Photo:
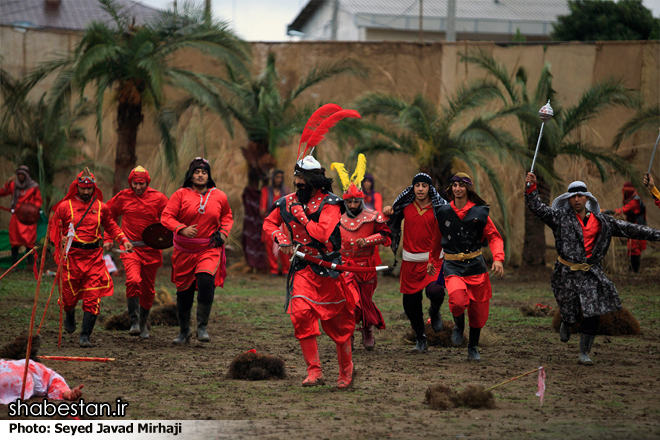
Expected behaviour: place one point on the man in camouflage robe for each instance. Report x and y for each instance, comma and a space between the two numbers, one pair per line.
582, 237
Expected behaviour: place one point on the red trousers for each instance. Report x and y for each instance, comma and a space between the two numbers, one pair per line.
473, 297
272, 259
306, 324
140, 280
85, 278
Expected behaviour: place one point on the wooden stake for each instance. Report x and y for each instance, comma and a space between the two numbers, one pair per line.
511, 380
57, 275
34, 309
19, 261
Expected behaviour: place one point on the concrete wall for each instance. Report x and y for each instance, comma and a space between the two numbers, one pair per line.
402, 68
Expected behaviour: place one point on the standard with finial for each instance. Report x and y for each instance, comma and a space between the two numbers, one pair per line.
546, 113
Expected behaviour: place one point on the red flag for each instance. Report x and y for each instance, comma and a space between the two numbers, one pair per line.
541, 383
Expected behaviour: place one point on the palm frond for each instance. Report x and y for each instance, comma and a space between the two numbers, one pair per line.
470, 97
647, 118
323, 72
496, 69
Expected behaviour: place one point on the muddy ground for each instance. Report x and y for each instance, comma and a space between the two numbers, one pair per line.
617, 398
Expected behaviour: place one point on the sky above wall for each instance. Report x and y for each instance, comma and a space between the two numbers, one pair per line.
266, 20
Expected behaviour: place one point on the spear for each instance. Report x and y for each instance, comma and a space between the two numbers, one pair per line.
34, 309
545, 114
77, 358
19, 261
511, 380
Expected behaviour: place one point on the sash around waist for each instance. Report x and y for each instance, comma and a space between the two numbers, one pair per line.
421, 257
191, 245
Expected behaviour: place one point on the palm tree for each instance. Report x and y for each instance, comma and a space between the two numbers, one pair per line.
561, 136
136, 63
25, 139
269, 116
431, 135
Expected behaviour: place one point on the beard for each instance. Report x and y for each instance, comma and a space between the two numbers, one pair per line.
304, 193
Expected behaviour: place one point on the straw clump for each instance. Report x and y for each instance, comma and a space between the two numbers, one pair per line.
17, 348
441, 397
164, 315
537, 311
619, 323
255, 366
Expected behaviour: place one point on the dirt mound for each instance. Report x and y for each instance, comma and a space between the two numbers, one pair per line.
254, 366
537, 311
18, 347
619, 323
442, 397
164, 315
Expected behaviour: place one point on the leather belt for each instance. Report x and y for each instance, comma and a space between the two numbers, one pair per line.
461, 256
575, 266
86, 246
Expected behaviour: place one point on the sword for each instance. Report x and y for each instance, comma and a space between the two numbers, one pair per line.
653, 154
134, 243
339, 267
545, 114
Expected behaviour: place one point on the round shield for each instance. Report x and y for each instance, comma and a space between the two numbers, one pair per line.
158, 236
27, 213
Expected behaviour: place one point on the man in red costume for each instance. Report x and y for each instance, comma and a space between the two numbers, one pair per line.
312, 215
648, 182
416, 206
23, 189
139, 206
362, 229
78, 219
634, 211
269, 195
199, 215
464, 228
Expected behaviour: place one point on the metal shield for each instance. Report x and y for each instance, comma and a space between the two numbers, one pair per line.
158, 236
27, 213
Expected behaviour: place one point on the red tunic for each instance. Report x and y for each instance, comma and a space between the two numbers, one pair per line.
589, 232
20, 234
41, 381
631, 210
325, 296
84, 273
182, 211
496, 245
420, 226
137, 213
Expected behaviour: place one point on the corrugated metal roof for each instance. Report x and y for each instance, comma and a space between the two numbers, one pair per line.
509, 10
69, 14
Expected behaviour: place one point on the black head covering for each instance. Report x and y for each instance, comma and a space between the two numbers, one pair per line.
198, 163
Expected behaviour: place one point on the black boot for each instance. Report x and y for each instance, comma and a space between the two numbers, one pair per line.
30, 259
635, 263
134, 315
459, 328
89, 319
203, 313
564, 332
586, 342
184, 324
144, 316
473, 353
436, 318
14, 255
421, 345
70, 321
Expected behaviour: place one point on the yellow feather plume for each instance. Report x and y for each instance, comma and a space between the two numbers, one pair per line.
343, 174
360, 170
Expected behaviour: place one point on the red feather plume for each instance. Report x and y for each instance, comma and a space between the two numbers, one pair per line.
315, 120
327, 124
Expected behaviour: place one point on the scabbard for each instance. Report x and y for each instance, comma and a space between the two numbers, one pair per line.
339, 267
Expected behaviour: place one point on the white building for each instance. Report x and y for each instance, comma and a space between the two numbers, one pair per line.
379, 20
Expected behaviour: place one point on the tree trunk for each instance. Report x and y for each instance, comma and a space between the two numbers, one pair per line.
534, 245
129, 118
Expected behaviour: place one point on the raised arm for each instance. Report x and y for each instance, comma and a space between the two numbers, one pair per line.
621, 228
539, 209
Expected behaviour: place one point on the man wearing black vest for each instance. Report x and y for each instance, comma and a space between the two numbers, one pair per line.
464, 228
